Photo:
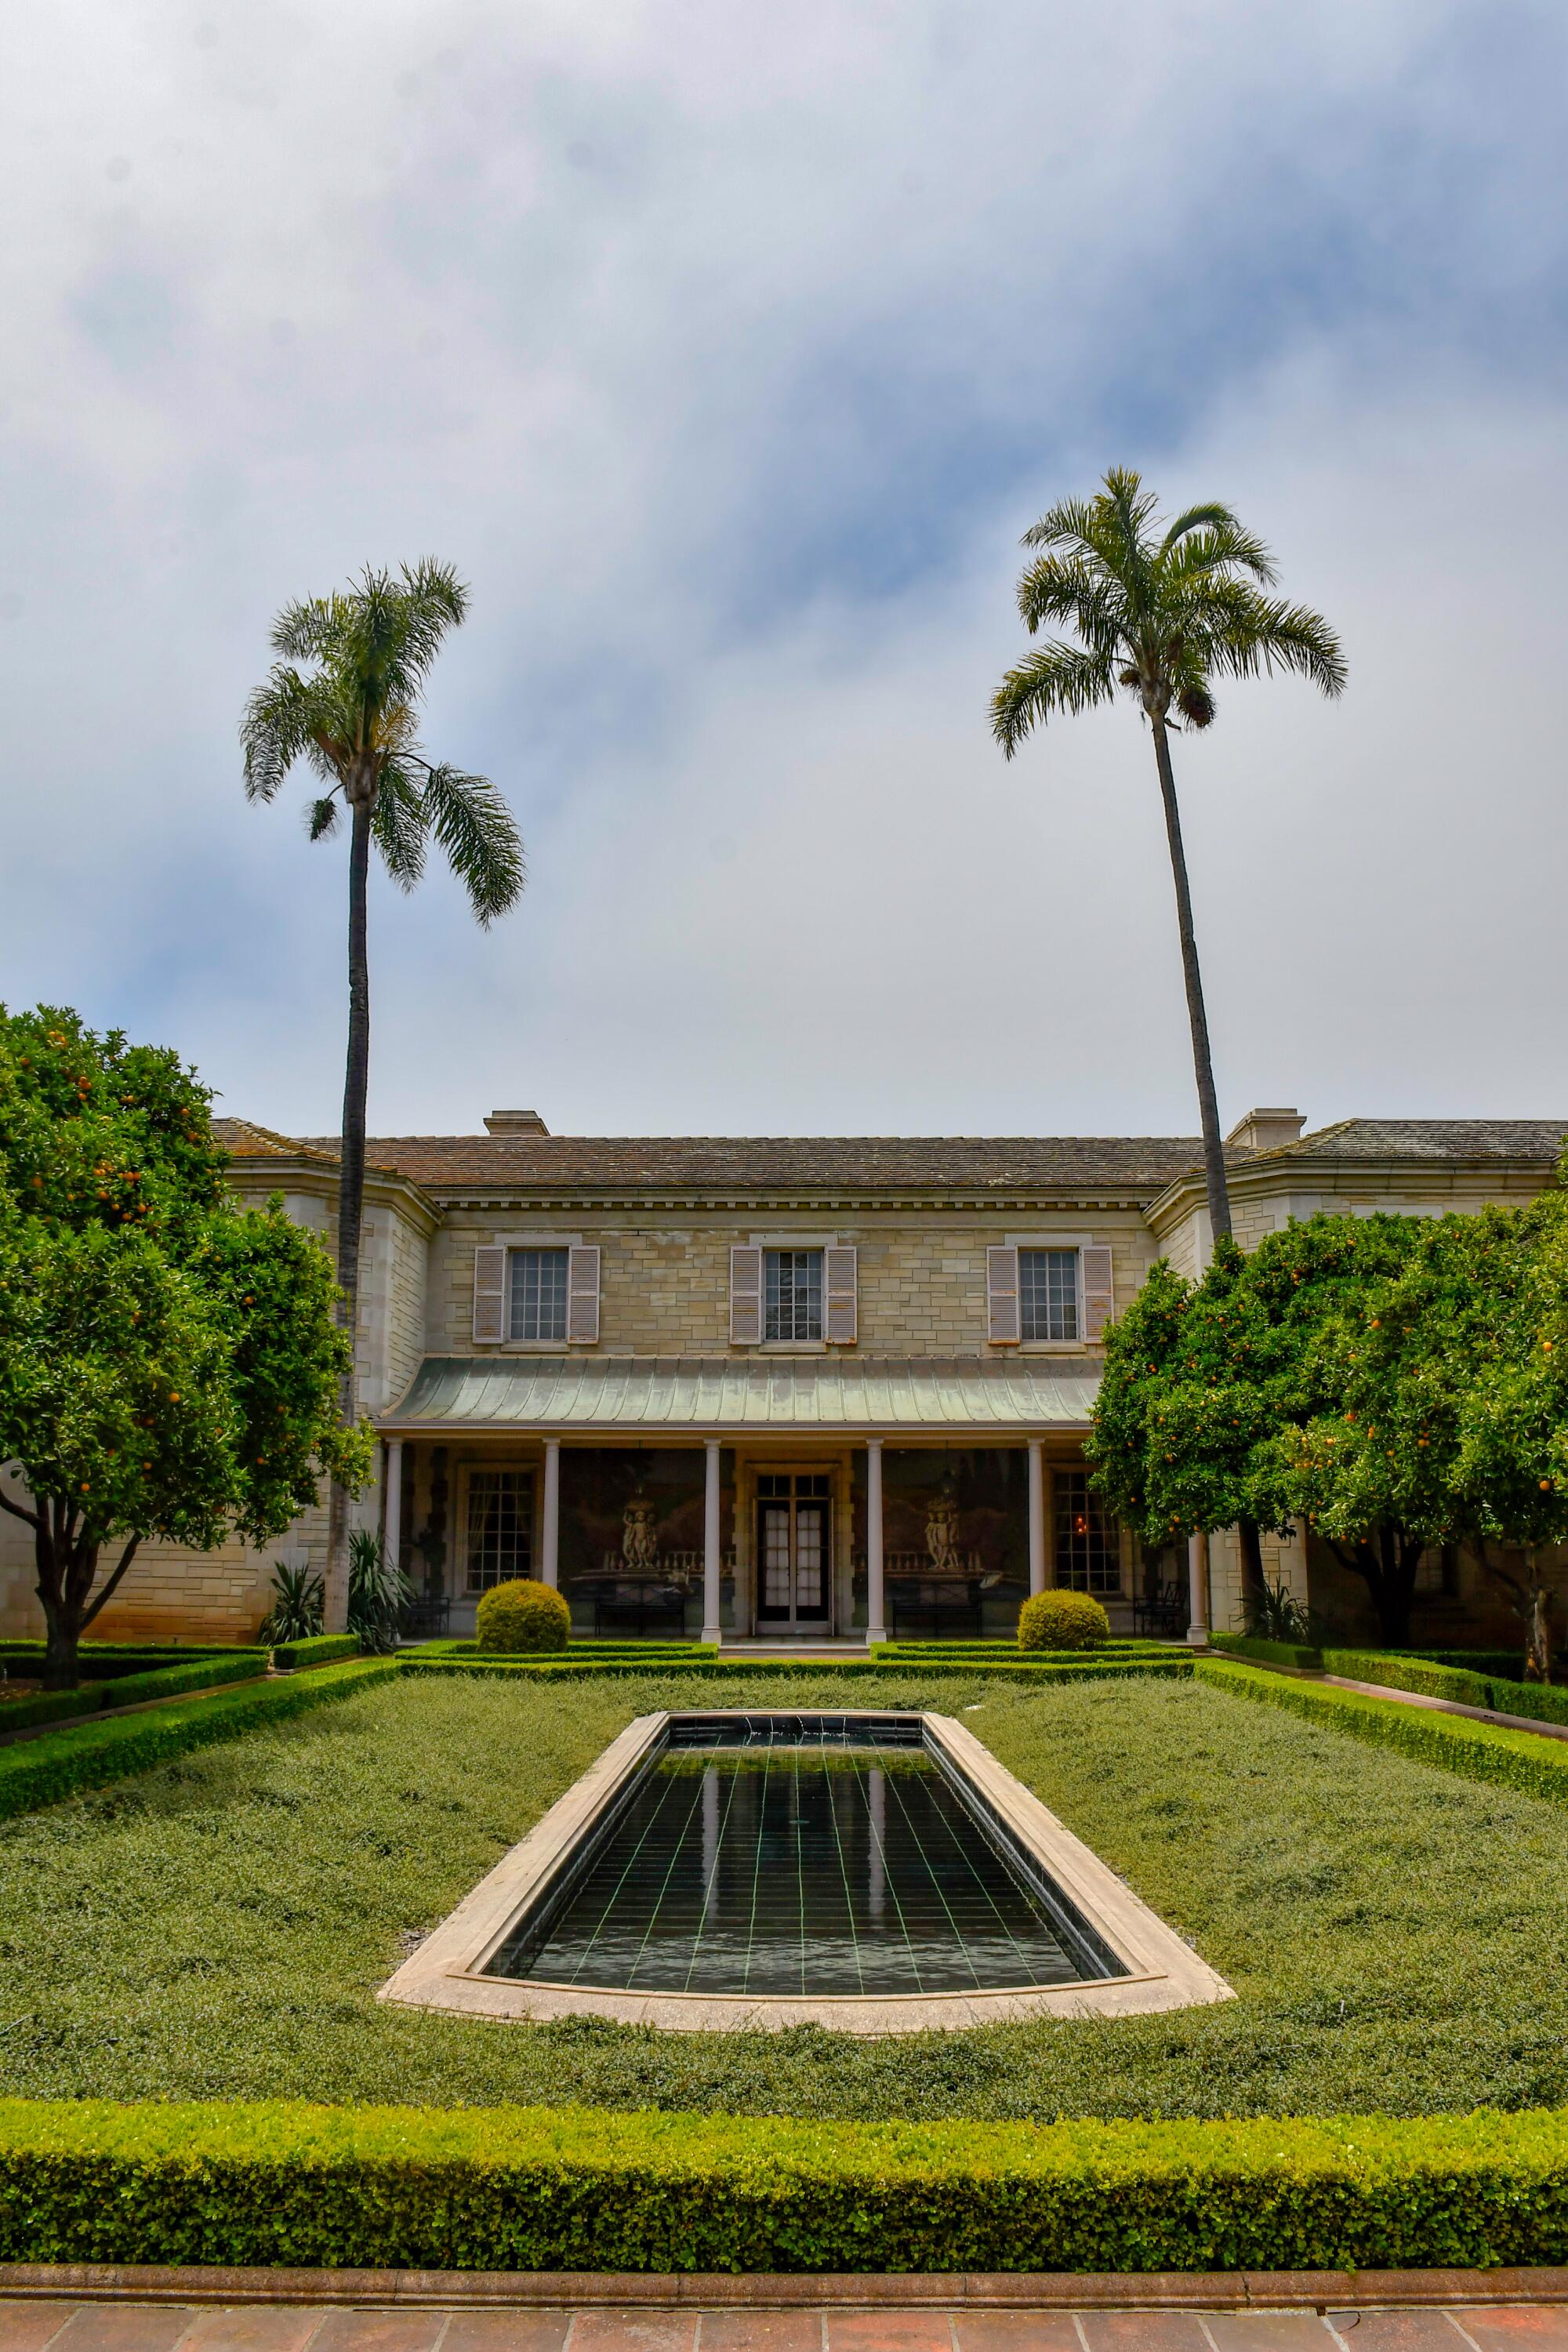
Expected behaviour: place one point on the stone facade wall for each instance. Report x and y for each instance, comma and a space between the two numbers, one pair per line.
664, 1286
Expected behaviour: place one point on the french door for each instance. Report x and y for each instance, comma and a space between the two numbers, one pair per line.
794, 1566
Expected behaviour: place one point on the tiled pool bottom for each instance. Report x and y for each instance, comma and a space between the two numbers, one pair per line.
818, 1860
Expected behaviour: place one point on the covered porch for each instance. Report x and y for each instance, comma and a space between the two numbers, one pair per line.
806, 1500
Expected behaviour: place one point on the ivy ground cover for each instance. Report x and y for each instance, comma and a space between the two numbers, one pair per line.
217, 1927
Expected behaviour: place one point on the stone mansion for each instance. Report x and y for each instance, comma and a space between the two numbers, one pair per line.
805, 1389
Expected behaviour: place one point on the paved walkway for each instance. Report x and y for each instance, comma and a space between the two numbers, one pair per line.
137, 2326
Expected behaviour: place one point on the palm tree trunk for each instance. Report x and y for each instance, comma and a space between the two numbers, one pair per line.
1208, 1105
351, 1199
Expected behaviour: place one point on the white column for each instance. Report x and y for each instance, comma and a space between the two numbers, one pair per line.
1036, 1516
392, 1491
876, 1607
712, 1560
550, 1516
1198, 1590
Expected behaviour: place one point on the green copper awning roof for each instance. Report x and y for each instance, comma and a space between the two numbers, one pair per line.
718, 1394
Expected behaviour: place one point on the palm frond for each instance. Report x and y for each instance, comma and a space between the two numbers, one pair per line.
469, 818
1218, 547
1066, 591
275, 731
1056, 679
321, 818
1264, 634
398, 826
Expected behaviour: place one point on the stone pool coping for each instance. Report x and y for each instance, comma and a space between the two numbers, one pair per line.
447, 1971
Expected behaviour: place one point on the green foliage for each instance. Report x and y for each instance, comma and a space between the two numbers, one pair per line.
169, 1364
1062, 1620
298, 1596
192, 1673
1454, 1743
95, 1754
1058, 1667
1274, 1613
318, 1650
378, 1593
1266, 1653
351, 715
286, 2184
1501, 1694
1159, 614
522, 1615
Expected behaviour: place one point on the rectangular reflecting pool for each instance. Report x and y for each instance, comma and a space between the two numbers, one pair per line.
786, 1855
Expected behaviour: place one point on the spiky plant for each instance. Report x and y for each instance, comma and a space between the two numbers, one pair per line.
378, 1592
1160, 614
350, 713
296, 1610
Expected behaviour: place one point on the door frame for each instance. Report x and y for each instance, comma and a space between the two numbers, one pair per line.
757, 1468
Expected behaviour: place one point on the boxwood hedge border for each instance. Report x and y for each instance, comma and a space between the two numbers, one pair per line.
285, 2184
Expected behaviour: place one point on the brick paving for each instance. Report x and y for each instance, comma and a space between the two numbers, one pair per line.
47, 2325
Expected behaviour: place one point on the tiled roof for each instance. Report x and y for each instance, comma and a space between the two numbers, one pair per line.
716, 1393
762, 1163
242, 1140
1538, 1139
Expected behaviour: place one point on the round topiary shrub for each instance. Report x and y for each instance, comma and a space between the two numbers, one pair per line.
522, 1616
1062, 1621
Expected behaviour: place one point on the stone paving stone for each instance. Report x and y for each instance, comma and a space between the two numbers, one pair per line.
632, 2331
1015, 2331
758, 2331
506, 2331
379, 2331
889, 2331
1397, 2331
1143, 2331
1508, 2327
254, 2327
27, 2327
1269, 2331
123, 2327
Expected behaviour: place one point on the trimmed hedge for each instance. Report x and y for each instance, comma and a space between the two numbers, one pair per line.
131, 1690
1268, 1653
705, 1667
1546, 1703
285, 2184
1454, 1743
315, 1649
93, 1755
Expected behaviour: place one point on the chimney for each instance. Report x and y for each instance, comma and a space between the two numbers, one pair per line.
515, 1122
1267, 1130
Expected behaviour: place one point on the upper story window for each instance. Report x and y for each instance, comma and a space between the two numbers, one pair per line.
792, 1293
1047, 1294
537, 1279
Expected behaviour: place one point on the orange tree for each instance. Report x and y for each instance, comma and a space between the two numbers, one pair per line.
170, 1364
1207, 1387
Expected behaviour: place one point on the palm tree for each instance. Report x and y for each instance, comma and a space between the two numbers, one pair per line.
1163, 615
353, 717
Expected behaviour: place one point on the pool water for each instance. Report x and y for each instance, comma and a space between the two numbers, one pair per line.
793, 1865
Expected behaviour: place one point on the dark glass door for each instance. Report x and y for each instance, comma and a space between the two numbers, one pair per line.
794, 1566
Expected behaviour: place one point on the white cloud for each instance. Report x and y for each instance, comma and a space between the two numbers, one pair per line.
727, 349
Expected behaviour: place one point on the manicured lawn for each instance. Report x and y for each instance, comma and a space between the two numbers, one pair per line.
218, 1929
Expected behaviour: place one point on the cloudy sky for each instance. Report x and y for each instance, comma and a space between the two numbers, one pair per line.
727, 349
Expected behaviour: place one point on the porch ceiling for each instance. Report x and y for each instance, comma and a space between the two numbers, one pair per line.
712, 1394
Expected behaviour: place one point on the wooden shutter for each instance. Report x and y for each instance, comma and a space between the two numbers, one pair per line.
1002, 1294
745, 1297
582, 1295
489, 1295
838, 1270
1099, 1299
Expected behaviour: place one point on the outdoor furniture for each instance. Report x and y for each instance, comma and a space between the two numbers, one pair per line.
639, 1608
1163, 1610
942, 1603
423, 1616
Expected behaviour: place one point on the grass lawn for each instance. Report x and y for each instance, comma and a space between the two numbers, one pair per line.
218, 1929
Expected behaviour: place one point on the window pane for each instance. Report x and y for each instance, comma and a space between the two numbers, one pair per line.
1088, 1554
1047, 1294
793, 1295
538, 1294
501, 1526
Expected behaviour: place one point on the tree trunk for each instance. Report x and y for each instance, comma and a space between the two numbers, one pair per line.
1208, 1105
350, 1197
1386, 1561
1538, 1624
1253, 1579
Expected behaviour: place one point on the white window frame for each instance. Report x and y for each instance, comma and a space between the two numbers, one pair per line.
528, 1469
1077, 1243
563, 1250
540, 1240
775, 1240
790, 1342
